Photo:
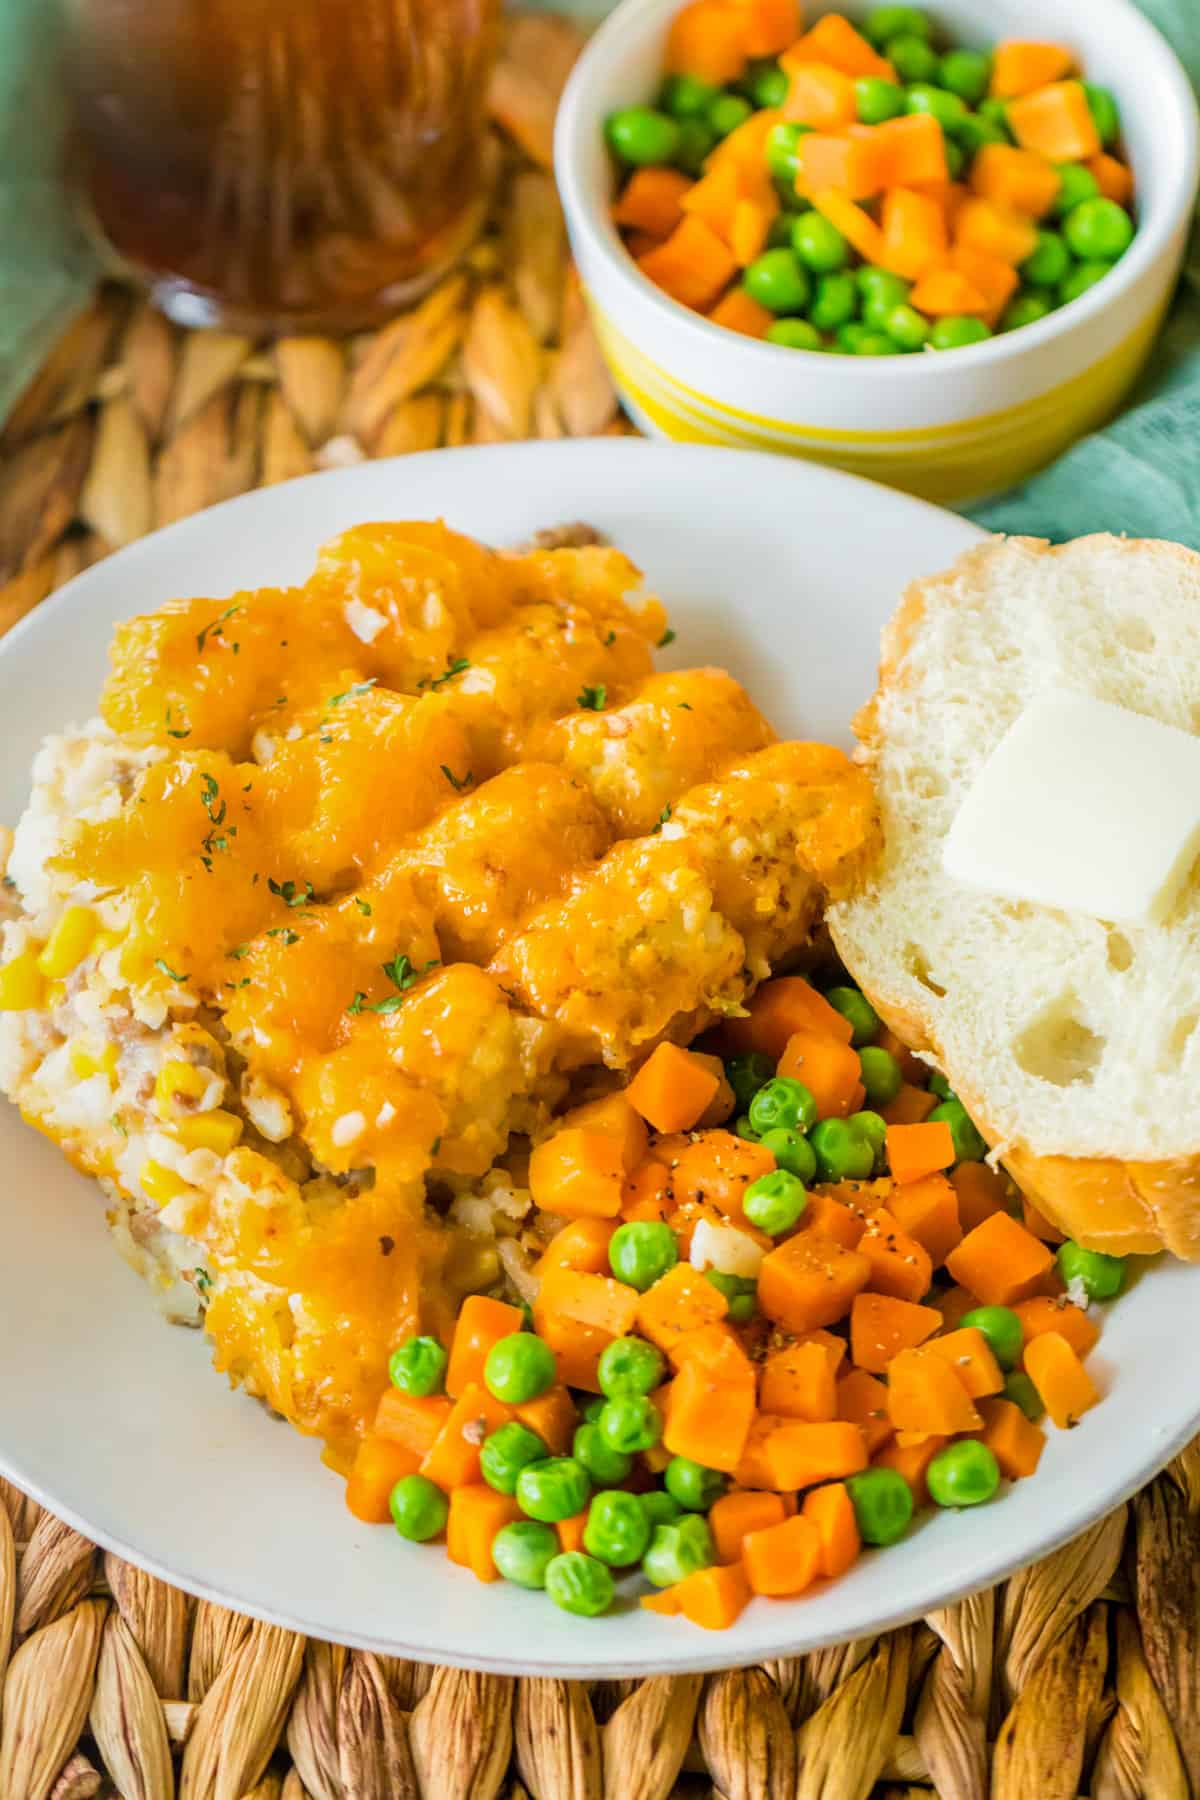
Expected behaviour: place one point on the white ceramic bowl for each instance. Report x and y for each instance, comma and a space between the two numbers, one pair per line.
117, 1420
948, 425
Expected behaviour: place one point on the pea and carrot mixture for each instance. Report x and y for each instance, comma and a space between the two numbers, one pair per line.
788, 1306
873, 191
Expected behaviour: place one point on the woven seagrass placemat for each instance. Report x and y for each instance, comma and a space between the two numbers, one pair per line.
1080, 1676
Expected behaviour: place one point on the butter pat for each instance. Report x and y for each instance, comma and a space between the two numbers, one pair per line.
1083, 806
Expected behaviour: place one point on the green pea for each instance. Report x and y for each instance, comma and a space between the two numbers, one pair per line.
779, 231
579, 1584
695, 1487
617, 1529
678, 1550
593, 1409
418, 1366
1048, 263
876, 100
629, 1365
834, 301
975, 132
911, 57
506, 1452
956, 157
741, 1294
956, 331
850, 336
794, 334
908, 329
660, 1508
696, 141
419, 1508
1102, 1276
1020, 1390
883, 23
746, 1074
686, 96
963, 1474
1098, 231
777, 281
852, 1005
969, 1146
642, 136
966, 73
642, 1252
1002, 1329
552, 1490
791, 1152
1106, 116
882, 1075
591, 1450
873, 1130
883, 1505
878, 308
782, 150
1026, 309
819, 245
947, 109
940, 1086
1083, 276
523, 1551
727, 112
775, 1203
744, 1129
1077, 184
519, 1368
783, 1101
995, 112
767, 85
842, 1155
630, 1422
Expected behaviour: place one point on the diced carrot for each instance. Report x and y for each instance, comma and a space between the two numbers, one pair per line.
582, 1245
856, 225
680, 1301
862, 1399
708, 1416
820, 96
1015, 1441
1042, 1314
953, 1304
995, 230
570, 1531
928, 1211
915, 1151
378, 1465
911, 1106
911, 1067
745, 147
831, 1510
997, 281
799, 1454
477, 1513
553, 1416
842, 1220
595, 1300
708, 39
408, 1420
970, 1356
770, 25
1056, 121
1015, 178
924, 1394
1113, 177
1000, 1261
481, 1323
671, 1089
880, 1327
652, 201
662, 1600
577, 1348
849, 164
646, 1193
834, 40
1019, 67
798, 1381
911, 1461
981, 1192
828, 1069
810, 1280
714, 1597
900, 1266
612, 1116
452, 1460
718, 1167
1039, 1224
943, 293
752, 220
578, 1174
713, 199
717, 1346
834, 1347
737, 1513
914, 232
779, 1008
692, 266
912, 150
640, 243
1067, 1390
783, 1559
723, 1103
753, 1470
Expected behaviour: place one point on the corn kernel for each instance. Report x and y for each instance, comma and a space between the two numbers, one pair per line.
107, 940
87, 1061
22, 988
218, 1131
69, 942
56, 994
161, 1184
178, 1079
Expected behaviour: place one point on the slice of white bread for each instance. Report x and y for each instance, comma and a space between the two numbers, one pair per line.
1074, 1044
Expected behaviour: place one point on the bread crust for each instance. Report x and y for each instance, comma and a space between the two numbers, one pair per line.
1104, 1203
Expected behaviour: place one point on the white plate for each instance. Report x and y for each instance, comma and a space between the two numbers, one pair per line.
781, 570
